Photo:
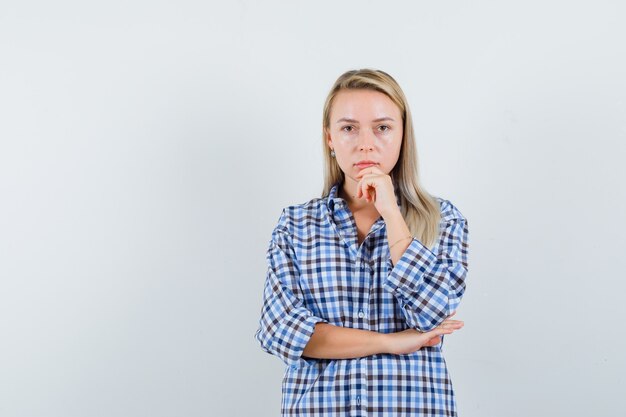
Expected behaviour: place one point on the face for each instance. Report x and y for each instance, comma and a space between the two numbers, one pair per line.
364, 125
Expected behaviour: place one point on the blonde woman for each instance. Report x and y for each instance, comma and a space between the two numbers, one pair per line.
362, 281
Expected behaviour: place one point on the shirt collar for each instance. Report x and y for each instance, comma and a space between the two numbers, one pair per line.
333, 197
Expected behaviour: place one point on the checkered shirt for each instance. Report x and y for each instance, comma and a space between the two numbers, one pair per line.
317, 272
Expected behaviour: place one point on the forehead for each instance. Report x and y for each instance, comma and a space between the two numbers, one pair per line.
363, 104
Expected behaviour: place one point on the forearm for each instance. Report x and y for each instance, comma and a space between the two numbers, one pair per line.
335, 342
397, 234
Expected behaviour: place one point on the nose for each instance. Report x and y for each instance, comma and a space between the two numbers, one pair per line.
366, 141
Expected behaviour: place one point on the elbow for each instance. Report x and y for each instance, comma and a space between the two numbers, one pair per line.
426, 326
289, 356
288, 337
264, 340
431, 319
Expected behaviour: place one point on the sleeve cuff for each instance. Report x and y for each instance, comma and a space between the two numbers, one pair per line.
301, 335
406, 275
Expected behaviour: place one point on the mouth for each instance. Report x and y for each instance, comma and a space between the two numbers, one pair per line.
362, 165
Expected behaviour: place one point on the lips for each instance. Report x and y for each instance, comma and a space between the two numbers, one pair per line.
365, 164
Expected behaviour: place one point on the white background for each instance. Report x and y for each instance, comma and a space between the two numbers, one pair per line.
148, 147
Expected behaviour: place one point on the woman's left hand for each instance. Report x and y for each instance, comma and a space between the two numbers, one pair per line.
376, 187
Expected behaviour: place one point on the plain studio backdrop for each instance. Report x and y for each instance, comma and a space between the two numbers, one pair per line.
148, 148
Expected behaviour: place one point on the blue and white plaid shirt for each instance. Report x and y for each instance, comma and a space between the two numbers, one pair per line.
318, 273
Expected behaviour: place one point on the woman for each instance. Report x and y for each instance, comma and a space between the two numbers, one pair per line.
362, 282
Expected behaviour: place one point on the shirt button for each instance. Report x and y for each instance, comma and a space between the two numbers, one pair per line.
358, 399
361, 313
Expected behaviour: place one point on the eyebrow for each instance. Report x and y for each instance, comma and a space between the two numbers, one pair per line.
380, 119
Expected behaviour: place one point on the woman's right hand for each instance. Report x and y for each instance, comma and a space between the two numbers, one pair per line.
411, 340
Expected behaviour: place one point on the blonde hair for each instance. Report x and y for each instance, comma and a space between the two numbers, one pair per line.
420, 210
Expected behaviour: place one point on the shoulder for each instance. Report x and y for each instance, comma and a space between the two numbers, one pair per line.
296, 218
449, 211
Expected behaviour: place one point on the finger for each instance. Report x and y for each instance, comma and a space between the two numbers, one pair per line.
456, 324
372, 194
438, 332
365, 190
434, 341
453, 326
359, 193
370, 170
370, 189
437, 336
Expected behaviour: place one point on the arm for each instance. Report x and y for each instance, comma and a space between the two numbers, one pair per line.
429, 286
336, 342
286, 324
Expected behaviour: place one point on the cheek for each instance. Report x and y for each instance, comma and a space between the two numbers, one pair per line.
391, 151
389, 145
344, 139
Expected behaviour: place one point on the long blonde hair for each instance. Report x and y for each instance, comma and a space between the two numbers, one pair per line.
420, 210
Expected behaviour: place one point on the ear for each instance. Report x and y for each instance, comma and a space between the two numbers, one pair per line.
329, 140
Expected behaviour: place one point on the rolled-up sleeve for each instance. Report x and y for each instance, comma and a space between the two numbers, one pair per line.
429, 286
286, 324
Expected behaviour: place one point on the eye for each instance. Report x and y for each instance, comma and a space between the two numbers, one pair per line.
347, 127
386, 128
